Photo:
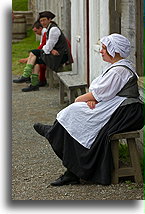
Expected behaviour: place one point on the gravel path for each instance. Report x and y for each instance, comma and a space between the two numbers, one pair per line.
34, 164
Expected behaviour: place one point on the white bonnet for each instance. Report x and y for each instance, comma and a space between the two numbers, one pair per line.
116, 43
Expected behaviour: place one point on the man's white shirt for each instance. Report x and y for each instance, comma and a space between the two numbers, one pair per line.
54, 34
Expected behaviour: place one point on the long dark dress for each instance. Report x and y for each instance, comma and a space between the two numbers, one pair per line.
95, 164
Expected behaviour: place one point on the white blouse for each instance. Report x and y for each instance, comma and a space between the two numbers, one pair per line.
54, 34
83, 123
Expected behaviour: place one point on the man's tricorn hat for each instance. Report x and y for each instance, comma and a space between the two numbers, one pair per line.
47, 14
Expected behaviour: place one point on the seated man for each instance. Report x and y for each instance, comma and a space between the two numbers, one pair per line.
39, 30
53, 54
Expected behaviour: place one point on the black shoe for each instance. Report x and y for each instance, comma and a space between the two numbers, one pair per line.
22, 80
41, 129
31, 88
42, 83
66, 180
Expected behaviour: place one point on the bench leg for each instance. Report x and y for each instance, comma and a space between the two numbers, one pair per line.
135, 160
61, 92
71, 95
115, 155
50, 78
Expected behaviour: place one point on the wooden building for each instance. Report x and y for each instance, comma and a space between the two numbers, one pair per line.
84, 22
93, 19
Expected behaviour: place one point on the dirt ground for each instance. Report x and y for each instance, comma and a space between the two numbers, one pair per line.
34, 164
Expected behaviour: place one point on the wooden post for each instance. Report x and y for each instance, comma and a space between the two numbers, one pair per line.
139, 38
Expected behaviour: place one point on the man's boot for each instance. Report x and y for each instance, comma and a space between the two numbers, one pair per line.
34, 84
26, 74
22, 80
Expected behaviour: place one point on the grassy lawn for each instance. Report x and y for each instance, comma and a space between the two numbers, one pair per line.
20, 5
21, 50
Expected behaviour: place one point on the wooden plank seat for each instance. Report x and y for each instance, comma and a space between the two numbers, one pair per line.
134, 169
71, 82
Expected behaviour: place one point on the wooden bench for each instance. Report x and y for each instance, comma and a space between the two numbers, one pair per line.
134, 169
71, 82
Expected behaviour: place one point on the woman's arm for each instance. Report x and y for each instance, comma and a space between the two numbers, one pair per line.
92, 104
86, 97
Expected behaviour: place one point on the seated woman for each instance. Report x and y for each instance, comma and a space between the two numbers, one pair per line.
80, 136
